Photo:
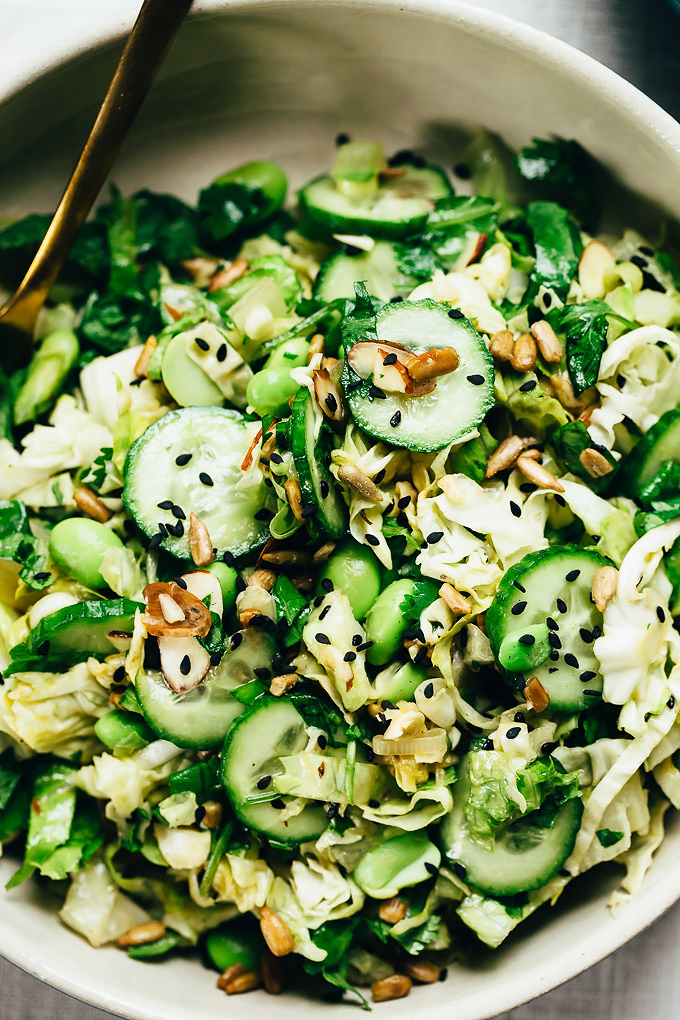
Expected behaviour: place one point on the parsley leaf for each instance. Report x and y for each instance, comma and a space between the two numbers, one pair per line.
423, 595
18, 543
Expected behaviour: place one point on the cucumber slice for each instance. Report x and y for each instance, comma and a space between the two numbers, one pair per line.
461, 399
660, 444
271, 729
201, 717
311, 455
547, 596
184, 380
524, 855
399, 207
379, 269
217, 440
73, 634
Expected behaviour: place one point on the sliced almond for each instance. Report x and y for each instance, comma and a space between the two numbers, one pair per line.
200, 543
474, 249
234, 271
328, 395
523, 357
361, 483
502, 345
142, 363
170, 609
184, 662
506, 453
196, 615
536, 695
202, 584
537, 474
316, 346
87, 501
456, 602
432, 364
361, 357
593, 264
595, 463
548, 343
605, 582
282, 684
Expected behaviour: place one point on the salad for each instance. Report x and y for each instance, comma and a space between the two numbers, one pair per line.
339, 565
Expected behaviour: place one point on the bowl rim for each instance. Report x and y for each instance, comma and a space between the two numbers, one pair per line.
650, 116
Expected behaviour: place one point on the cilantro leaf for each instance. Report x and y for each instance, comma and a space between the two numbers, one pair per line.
95, 474
423, 595
18, 543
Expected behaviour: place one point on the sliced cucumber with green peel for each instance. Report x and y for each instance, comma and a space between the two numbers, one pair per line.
524, 855
311, 455
398, 207
185, 381
216, 441
73, 634
201, 717
659, 445
380, 269
270, 730
458, 403
543, 622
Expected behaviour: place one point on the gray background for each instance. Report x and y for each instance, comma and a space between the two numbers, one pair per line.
641, 40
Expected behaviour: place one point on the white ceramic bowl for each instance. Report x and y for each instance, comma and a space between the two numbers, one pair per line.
262, 78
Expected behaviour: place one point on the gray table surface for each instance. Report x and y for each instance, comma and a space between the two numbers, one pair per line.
641, 40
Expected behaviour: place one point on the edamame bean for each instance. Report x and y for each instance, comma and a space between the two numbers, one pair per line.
399, 684
525, 648
270, 390
355, 571
123, 731
227, 576
78, 546
292, 354
385, 622
237, 942
262, 176
396, 864
49, 366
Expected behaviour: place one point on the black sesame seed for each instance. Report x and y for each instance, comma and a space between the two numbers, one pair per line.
552, 669
354, 384
364, 646
372, 540
163, 528
547, 300
375, 392
402, 520
317, 601
476, 380
639, 261
203, 345
552, 624
199, 814
548, 747
278, 803
119, 675
404, 502
229, 559
221, 352
327, 584
205, 478
620, 381
659, 612
671, 702
321, 741
528, 386
324, 612
463, 171
395, 420
341, 139
178, 513
323, 639
397, 299
487, 745
429, 690
571, 660
527, 639
357, 639
374, 803
178, 530
646, 250
262, 673
518, 608
387, 704
183, 459
553, 640
390, 359
597, 632
593, 694
586, 675
459, 870
431, 868
215, 658
155, 540
263, 622
181, 582
519, 587
349, 656
165, 504
380, 476
527, 487
264, 782
455, 313
554, 655
236, 640
276, 458
324, 488
434, 537
515, 509
586, 635
42, 575
561, 605
185, 665
240, 585
572, 575
309, 508
560, 500
331, 403
513, 732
